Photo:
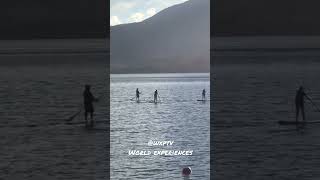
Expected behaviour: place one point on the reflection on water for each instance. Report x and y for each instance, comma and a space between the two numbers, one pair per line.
179, 118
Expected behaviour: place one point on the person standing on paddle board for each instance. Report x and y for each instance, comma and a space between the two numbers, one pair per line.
137, 95
203, 94
88, 104
300, 103
155, 96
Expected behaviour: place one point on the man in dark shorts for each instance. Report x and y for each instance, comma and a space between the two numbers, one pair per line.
155, 97
88, 104
203, 94
300, 103
138, 95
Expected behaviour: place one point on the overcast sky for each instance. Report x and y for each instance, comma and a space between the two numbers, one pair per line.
129, 11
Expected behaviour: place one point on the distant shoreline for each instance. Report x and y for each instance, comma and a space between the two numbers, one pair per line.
264, 49
266, 42
54, 46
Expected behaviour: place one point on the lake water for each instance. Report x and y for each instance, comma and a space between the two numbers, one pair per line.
249, 100
36, 99
179, 117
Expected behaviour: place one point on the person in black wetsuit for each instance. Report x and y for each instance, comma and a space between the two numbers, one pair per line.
88, 104
203, 94
137, 95
300, 103
155, 97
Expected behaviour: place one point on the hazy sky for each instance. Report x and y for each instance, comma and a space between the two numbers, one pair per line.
129, 11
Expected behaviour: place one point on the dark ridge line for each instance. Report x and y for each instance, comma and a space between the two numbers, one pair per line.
264, 49
54, 52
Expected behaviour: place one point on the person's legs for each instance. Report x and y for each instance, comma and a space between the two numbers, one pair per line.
297, 112
86, 117
91, 116
303, 114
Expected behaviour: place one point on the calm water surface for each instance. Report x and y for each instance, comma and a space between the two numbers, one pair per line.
35, 102
179, 117
250, 99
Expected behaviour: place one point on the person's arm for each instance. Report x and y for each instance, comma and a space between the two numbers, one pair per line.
93, 98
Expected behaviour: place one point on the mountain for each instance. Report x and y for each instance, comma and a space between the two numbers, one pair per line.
174, 40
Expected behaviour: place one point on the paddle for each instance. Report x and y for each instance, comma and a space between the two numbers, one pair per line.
74, 115
80, 109
314, 104
135, 97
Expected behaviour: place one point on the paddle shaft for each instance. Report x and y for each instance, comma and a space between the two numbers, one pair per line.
314, 104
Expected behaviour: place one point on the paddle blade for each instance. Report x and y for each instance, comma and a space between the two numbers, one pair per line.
73, 116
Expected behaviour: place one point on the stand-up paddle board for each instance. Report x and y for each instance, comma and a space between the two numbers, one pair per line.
296, 123
146, 101
83, 122
151, 101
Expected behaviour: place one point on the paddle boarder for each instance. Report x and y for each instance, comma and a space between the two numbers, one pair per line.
88, 100
203, 94
155, 96
300, 103
137, 94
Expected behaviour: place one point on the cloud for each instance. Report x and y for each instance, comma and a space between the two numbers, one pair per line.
114, 20
122, 7
128, 11
137, 17
151, 12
